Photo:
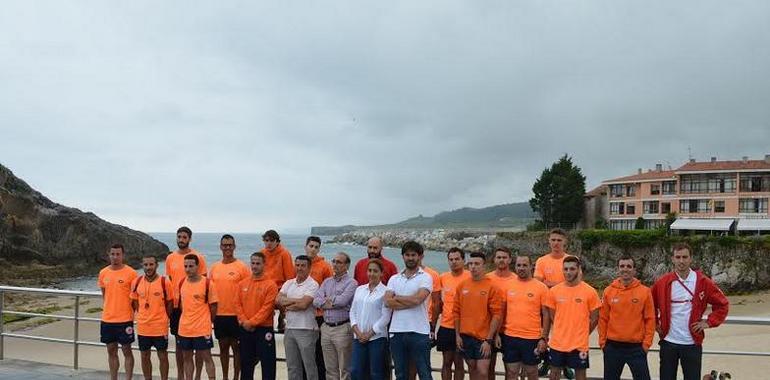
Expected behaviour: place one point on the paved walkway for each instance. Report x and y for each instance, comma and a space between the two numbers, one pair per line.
27, 370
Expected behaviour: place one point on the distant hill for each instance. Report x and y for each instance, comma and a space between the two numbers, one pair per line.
501, 216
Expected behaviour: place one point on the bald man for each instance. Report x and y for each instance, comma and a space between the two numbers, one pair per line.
374, 251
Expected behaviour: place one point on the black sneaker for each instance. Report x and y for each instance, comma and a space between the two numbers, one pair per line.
543, 370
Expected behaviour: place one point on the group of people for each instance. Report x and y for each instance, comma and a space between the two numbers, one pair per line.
339, 325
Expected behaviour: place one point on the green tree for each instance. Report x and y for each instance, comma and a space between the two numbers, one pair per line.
639, 223
559, 194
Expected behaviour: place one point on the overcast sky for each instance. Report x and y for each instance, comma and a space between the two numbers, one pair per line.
287, 114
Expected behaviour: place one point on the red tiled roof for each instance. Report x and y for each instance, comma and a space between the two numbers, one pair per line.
596, 191
724, 165
664, 174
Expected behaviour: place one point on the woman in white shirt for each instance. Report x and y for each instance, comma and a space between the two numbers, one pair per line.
369, 318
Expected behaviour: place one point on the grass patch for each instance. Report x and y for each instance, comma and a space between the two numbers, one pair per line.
40, 310
91, 310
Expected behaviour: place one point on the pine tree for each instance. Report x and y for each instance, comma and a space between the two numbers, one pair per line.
559, 194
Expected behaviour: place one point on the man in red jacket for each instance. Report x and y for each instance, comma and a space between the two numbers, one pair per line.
681, 298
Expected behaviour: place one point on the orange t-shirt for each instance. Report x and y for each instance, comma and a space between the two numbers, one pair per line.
436, 288
320, 269
279, 265
475, 304
116, 286
500, 283
523, 303
151, 316
449, 284
226, 278
196, 315
255, 301
550, 269
573, 306
175, 266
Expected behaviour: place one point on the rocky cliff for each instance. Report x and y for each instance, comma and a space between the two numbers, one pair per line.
43, 241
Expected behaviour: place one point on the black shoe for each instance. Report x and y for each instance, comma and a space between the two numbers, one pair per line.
543, 370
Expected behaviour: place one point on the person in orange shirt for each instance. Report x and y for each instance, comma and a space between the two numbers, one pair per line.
117, 325
255, 310
522, 339
477, 310
226, 275
445, 338
548, 268
176, 273
320, 270
152, 300
500, 277
573, 309
278, 266
626, 324
197, 299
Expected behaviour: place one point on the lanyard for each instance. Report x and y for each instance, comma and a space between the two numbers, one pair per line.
692, 295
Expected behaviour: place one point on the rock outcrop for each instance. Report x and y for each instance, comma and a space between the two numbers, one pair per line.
43, 241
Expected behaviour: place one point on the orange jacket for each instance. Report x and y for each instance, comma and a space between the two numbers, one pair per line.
627, 314
279, 265
255, 301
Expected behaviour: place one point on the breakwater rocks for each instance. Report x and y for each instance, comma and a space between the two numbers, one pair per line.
737, 264
42, 241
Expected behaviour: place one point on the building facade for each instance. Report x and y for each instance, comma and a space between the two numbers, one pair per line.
732, 195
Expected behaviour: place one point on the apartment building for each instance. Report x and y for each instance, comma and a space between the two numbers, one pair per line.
726, 196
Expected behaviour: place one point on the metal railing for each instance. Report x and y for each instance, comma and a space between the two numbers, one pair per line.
77, 318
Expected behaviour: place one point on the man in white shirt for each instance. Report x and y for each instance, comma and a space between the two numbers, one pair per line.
681, 298
407, 296
296, 295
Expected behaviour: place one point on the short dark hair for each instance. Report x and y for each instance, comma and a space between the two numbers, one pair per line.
313, 238
186, 230
479, 255
345, 255
558, 231
271, 234
193, 257
504, 249
456, 249
150, 256
681, 246
259, 254
304, 258
524, 256
627, 257
227, 237
572, 259
413, 246
118, 246
377, 262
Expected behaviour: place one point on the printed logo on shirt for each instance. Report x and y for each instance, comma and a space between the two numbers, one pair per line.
578, 300
483, 292
232, 273
465, 291
197, 296
635, 300
245, 290
120, 281
615, 300
583, 355
511, 293
269, 336
561, 299
157, 294
129, 330
530, 295
702, 295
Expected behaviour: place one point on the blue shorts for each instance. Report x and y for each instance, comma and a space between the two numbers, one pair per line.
445, 340
146, 343
517, 350
226, 326
122, 333
194, 343
573, 359
472, 348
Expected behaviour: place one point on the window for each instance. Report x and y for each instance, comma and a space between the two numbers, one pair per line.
665, 207
651, 207
719, 206
654, 189
669, 187
615, 208
694, 206
752, 205
755, 182
630, 190
653, 223
622, 224
630, 209
617, 191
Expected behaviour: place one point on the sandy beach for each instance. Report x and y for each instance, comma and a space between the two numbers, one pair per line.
727, 338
